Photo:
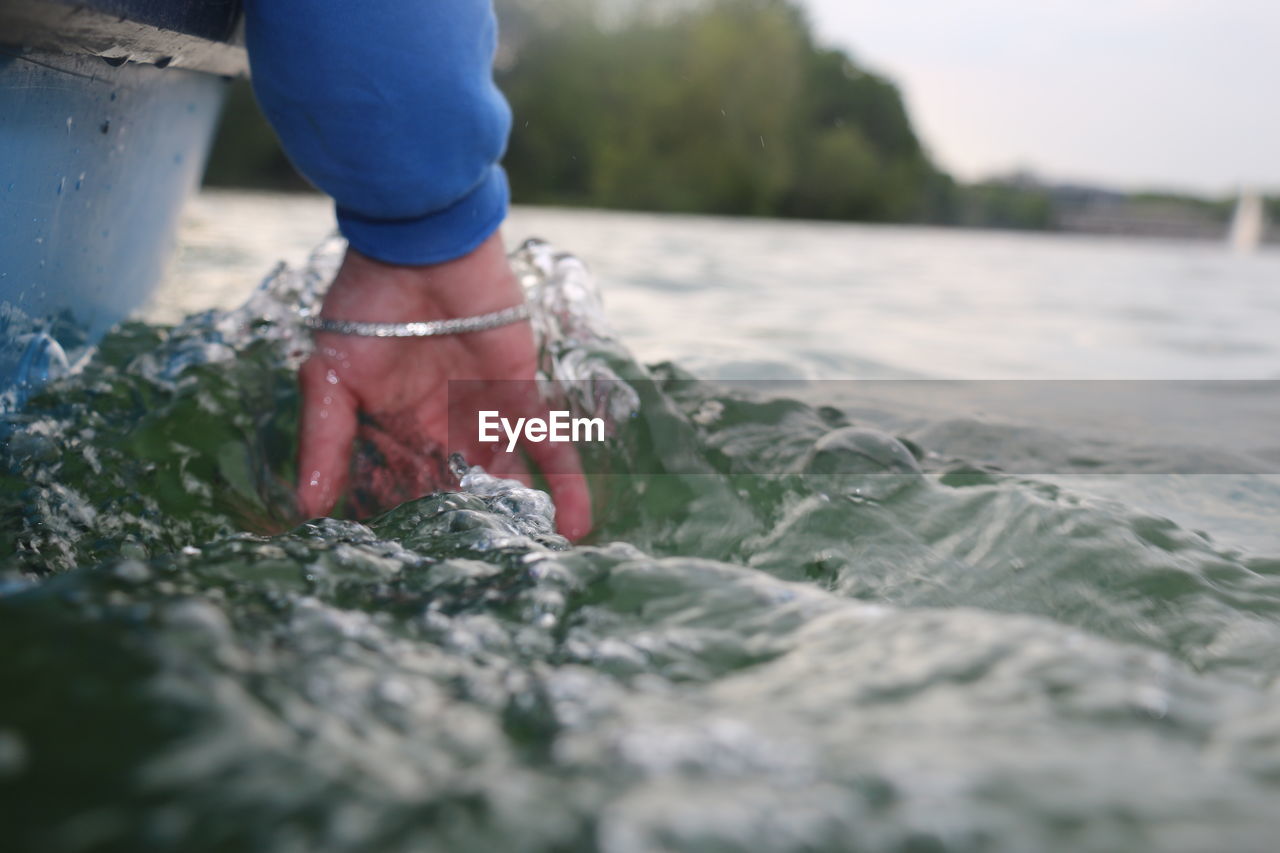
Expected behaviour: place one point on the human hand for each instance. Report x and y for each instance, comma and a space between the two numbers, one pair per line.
393, 394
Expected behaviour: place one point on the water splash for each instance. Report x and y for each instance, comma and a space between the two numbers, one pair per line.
578, 352
275, 313
792, 634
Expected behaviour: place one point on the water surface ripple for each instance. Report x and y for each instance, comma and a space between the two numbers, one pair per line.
791, 632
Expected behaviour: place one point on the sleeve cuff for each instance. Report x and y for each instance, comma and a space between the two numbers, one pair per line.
440, 236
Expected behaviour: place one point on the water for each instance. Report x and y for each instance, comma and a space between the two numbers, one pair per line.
768, 644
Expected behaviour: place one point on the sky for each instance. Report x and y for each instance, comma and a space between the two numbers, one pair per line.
1177, 94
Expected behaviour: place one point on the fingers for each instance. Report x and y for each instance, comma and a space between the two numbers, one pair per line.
517, 402
562, 469
557, 461
325, 433
402, 456
572, 498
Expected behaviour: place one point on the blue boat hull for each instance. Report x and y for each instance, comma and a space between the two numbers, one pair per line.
95, 163
107, 110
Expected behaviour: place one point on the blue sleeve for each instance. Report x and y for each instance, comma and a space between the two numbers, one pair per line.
390, 107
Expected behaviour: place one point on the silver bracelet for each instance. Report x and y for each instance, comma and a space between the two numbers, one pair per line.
425, 329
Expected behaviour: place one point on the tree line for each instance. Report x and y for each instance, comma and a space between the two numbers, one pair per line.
697, 106
708, 106
724, 106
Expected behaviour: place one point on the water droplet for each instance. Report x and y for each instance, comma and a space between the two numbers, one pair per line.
134, 571
13, 754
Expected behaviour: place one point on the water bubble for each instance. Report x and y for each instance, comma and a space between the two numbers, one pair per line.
862, 464
134, 571
13, 754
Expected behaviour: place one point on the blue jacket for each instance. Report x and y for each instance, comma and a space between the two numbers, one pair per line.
390, 107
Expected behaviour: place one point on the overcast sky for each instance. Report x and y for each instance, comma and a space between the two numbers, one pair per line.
1173, 93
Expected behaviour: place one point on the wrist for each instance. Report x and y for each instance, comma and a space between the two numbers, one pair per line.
369, 290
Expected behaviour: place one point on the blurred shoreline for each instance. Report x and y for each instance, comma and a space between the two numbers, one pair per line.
751, 297
735, 107
1113, 214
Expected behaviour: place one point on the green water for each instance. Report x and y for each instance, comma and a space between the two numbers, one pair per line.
789, 632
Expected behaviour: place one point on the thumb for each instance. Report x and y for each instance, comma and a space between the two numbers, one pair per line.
325, 434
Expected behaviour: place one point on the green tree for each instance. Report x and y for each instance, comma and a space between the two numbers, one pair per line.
717, 106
